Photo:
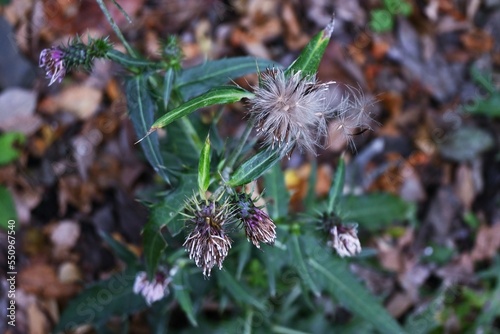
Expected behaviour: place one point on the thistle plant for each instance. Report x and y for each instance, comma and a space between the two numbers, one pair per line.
204, 223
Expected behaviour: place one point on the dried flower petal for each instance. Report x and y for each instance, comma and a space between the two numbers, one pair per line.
345, 240
151, 290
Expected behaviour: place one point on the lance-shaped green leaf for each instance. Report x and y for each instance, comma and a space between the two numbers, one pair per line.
239, 293
274, 181
337, 187
168, 84
310, 57
254, 167
218, 95
346, 288
166, 212
154, 246
196, 80
181, 293
301, 266
141, 111
100, 301
204, 167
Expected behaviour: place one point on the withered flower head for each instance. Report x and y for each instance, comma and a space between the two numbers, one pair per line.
208, 244
344, 238
152, 290
353, 116
289, 110
259, 227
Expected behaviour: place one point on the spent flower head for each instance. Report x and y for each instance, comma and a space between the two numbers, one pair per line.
289, 110
353, 115
208, 243
341, 237
152, 290
344, 239
259, 227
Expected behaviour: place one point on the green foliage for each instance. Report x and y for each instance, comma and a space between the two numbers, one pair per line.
488, 105
141, 113
9, 150
277, 288
204, 167
97, 303
7, 208
218, 95
382, 19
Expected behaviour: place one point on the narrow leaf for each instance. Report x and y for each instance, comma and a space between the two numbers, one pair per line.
376, 211
166, 212
219, 95
168, 83
239, 294
310, 198
97, 303
309, 59
181, 293
141, 111
154, 246
254, 167
199, 79
7, 208
301, 266
345, 287
204, 166
337, 187
274, 181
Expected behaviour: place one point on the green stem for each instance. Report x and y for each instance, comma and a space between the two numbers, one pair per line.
127, 61
234, 155
115, 28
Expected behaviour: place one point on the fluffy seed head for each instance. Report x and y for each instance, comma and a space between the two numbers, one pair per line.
352, 115
208, 244
289, 110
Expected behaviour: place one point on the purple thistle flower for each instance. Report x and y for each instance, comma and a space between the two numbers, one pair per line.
208, 244
52, 61
152, 290
259, 227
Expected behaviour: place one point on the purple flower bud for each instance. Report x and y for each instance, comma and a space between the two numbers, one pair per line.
259, 227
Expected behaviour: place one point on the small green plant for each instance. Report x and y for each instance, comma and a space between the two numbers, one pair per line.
488, 105
9, 152
382, 19
207, 236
